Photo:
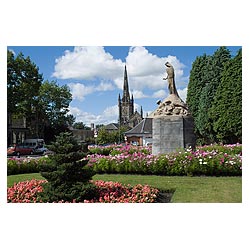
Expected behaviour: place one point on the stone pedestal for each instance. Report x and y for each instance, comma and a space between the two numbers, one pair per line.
172, 132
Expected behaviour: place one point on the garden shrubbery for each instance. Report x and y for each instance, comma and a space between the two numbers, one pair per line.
26, 165
67, 176
212, 160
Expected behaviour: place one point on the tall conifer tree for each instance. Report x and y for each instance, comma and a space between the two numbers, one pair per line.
212, 74
226, 110
197, 81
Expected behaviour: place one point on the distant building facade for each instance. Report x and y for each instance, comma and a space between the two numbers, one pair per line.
16, 129
127, 115
141, 134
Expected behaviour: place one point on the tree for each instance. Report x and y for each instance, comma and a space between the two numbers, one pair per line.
105, 136
197, 81
80, 125
226, 110
45, 105
23, 84
213, 72
68, 177
55, 100
53, 105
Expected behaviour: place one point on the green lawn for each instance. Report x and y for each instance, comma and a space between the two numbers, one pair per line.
187, 189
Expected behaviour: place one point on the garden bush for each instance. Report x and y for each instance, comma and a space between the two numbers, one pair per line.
68, 178
26, 165
213, 160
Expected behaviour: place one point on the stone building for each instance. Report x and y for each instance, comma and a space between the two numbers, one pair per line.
141, 134
127, 115
16, 129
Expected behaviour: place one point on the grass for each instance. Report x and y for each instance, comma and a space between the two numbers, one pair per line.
22, 177
187, 189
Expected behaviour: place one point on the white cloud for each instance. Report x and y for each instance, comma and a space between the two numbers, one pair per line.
80, 90
160, 94
145, 70
88, 63
105, 87
138, 94
182, 93
110, 114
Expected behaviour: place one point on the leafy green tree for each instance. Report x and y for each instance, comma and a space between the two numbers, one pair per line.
68, 177
55, 100
213, 73
12, 83
197, 81
44, 105
105, 136
53, 105
23, 84
226, 110
80, 125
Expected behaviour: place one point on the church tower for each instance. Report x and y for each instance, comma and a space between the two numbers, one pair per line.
125, 104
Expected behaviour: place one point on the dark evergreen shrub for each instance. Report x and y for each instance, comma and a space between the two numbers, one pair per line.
68, 177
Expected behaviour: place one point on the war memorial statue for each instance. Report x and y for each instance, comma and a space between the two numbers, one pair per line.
170, 78
173, 126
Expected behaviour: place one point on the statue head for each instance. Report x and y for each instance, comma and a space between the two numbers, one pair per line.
168, 64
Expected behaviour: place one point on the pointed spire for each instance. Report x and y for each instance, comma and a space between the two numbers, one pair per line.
125, 97
141, 112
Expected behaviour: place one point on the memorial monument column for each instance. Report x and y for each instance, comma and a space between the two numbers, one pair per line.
173, 125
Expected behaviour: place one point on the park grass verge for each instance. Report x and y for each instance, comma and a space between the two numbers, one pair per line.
187, 189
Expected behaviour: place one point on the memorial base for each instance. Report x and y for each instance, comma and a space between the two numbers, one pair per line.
171, 133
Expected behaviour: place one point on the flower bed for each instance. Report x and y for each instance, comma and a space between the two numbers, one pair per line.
108, 192
113, 192
118, 149
26, 165
212, 160
25, 191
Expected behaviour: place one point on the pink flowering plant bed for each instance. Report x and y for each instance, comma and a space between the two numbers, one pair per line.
108, 192
212, 160
17, 165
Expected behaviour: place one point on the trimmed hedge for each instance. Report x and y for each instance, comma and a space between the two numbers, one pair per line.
214, 160
26, 165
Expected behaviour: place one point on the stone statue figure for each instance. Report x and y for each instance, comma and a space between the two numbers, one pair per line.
170, 78
172, 105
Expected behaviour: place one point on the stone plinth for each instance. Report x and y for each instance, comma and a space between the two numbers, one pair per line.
172, 132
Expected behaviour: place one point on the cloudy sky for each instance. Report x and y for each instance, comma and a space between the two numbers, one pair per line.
95, 74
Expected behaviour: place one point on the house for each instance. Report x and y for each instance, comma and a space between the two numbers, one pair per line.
141, 134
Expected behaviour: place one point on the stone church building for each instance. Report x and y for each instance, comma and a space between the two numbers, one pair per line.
127, 115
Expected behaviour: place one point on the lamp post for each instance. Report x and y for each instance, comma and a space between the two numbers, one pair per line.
95, 135
125, 139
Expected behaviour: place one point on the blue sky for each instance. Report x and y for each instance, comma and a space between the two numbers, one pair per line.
95, 74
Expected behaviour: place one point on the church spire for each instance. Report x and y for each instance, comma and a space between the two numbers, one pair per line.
126, 97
